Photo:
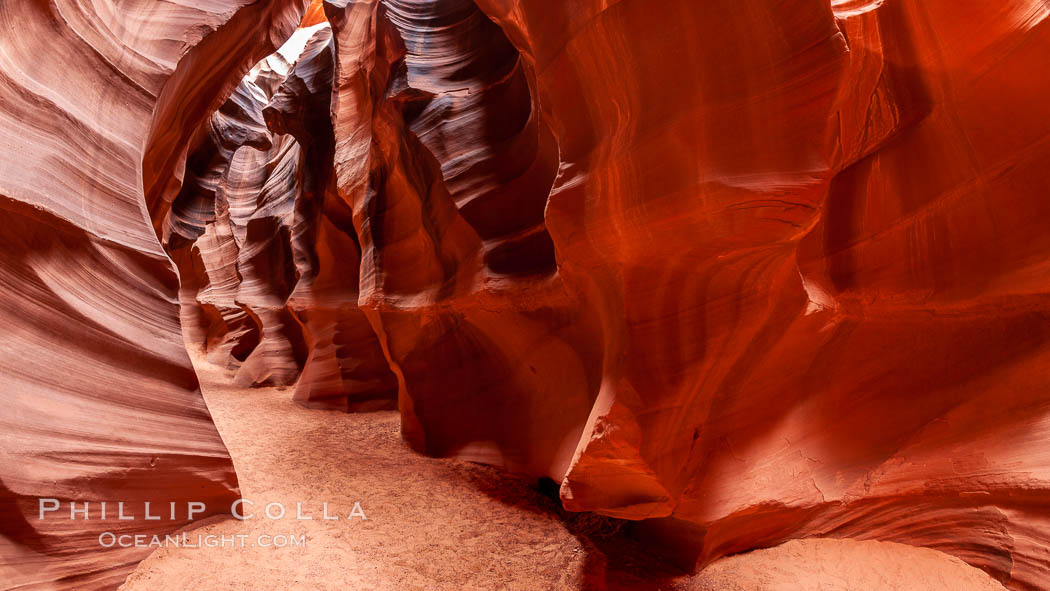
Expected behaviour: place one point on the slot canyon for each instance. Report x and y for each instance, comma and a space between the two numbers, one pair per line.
710, 295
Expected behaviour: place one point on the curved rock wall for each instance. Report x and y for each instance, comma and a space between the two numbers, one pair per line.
738, 271
732, 272
809, 233
101, 402
265, 243
797, 288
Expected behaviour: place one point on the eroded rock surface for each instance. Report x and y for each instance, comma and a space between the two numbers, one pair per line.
738, 271
100, 400
265, 243
797, 287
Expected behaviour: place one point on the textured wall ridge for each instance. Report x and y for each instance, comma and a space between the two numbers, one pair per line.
736, 271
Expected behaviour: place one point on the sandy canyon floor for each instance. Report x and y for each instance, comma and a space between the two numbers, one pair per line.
445, 524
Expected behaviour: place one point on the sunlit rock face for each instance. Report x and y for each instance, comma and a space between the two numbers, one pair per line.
736, 271
458, 275
100, 401
797, 284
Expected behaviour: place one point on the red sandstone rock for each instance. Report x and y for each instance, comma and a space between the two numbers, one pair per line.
100, 401
272, 262
739, 271
798, 280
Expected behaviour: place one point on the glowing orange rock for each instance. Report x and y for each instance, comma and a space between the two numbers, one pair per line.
797, 285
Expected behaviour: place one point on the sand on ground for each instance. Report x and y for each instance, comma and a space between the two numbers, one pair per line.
437, 524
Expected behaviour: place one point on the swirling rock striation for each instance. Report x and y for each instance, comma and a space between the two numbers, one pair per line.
737, 271
439, 151
101, 403
797, 289
266, 245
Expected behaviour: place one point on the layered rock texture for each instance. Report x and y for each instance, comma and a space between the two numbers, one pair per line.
737, 271
100, 400
265, 244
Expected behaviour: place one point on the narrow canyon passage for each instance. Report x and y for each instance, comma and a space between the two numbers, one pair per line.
719, 295
431, 523
438, 524
364, 225
270, 262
